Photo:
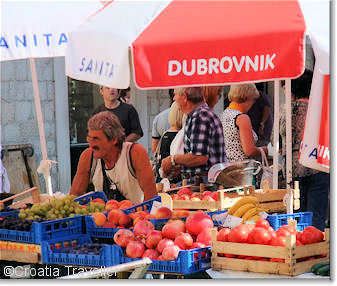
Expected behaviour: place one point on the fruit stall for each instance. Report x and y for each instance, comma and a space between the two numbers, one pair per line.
232, 230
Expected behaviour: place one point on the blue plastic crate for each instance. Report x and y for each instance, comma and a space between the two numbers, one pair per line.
213, 214
64, 256
45, 230
303, 220
188, 261
13, 213
144, 206
98, 232
87, 198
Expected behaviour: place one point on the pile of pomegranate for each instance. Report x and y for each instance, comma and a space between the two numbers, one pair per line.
165, 244
186, 194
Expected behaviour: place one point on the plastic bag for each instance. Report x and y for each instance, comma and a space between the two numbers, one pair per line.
177, 145
267, 171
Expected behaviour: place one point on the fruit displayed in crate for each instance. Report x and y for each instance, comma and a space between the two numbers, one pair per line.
118, 218
58, 208
163, 212
187, 194
73, 247
15, 224
197, 222
113, 204
165, 244
246, 208
280, 252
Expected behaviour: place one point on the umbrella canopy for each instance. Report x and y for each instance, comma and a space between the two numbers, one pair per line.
39, 29
180, 43
315, 147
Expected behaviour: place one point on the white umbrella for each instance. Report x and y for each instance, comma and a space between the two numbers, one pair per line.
315, 147
38, 29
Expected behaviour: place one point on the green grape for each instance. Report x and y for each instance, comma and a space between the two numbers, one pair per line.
22, 215
63, 212
71, 215
56, 212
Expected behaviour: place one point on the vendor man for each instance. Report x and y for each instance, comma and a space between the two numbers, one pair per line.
203, 137
121, 169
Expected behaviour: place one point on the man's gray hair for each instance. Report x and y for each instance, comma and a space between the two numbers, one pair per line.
193, 94
109, 124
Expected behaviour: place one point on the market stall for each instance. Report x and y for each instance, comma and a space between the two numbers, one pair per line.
189, 229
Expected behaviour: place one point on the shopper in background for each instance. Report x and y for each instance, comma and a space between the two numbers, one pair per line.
212, 94
163, 148
160, 124
203, 137
261, 117
126, 113
240, 138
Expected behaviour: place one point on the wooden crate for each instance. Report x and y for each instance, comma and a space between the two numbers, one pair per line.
271, 200
225, 201
291, 254
20, 252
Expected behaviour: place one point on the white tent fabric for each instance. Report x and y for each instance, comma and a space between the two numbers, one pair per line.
37, 29
317, 17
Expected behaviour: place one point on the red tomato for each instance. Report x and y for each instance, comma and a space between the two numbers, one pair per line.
282, 232
239, 233
311, 235
223, 234
272, 232
298, 235
298, 242
278, 241
289, 228
259, 235
262, 223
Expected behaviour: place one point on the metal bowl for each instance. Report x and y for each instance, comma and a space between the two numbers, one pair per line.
235, 174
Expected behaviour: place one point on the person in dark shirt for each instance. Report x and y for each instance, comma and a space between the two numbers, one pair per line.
175, 119
126, 113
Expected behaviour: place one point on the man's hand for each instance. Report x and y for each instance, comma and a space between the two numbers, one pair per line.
166, 165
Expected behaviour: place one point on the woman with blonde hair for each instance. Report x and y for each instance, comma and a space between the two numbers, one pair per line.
240, 139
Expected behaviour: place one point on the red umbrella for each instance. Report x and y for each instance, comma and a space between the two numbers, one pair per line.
180, 43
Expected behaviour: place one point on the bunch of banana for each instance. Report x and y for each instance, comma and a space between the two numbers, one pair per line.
246, 208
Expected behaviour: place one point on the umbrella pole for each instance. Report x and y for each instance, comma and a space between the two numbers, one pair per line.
289, 152
40, 123
276, 132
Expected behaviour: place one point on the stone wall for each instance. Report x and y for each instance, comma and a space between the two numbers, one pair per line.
18, 119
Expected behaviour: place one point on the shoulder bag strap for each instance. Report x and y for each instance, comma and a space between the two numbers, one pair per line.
93, 164
263, 158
